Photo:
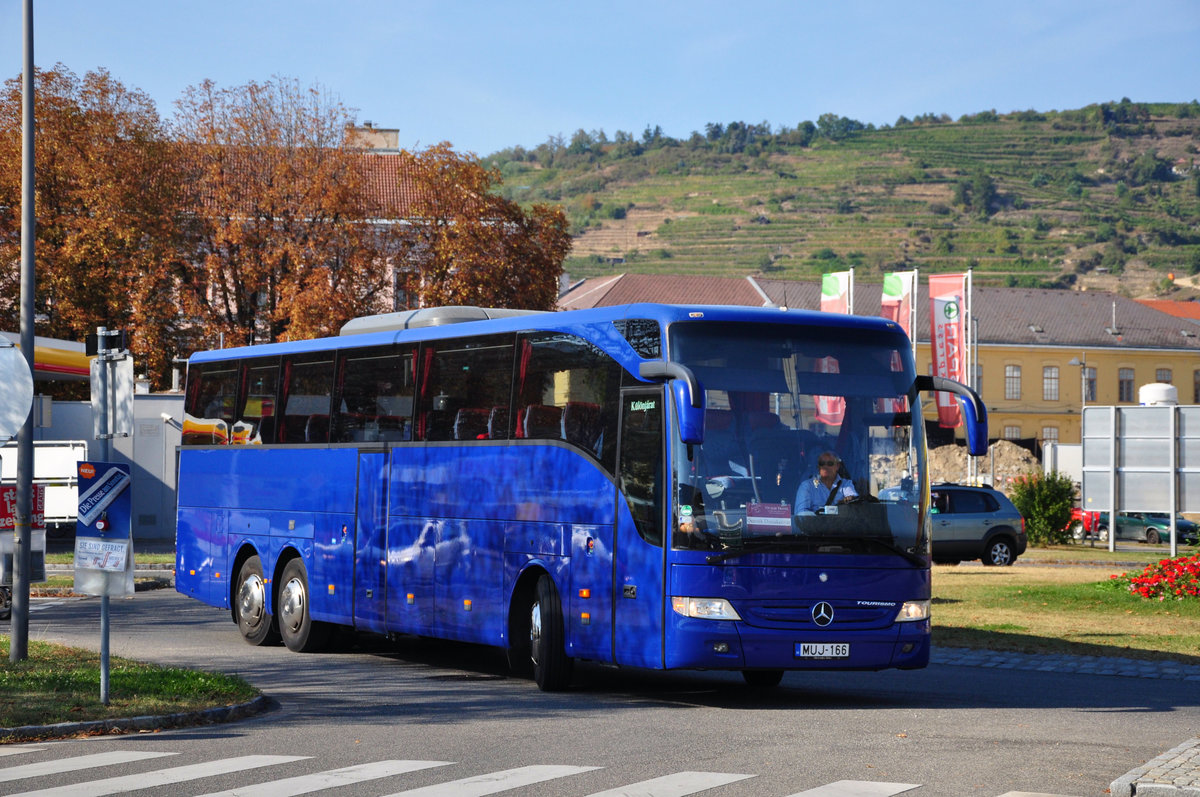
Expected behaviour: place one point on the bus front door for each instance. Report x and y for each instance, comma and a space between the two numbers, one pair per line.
638, 553
370, 542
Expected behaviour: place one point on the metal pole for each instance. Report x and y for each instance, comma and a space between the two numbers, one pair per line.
103, 405
22, 556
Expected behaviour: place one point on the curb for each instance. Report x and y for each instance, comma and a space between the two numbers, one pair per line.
1175, 773
141, 724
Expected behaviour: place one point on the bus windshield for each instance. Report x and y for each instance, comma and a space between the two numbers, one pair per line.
782, 400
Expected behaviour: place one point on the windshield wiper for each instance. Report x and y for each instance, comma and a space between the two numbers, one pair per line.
803, 543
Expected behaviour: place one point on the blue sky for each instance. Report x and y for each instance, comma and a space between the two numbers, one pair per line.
489, 75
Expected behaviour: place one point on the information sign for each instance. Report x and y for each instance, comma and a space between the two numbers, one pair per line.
103, 544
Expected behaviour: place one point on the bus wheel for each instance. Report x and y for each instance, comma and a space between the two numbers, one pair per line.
762, 679
299, 631
250, 607
551, 665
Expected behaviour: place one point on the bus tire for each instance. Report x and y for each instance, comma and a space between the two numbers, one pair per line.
250, 605
551, 665
300, 632
762, 679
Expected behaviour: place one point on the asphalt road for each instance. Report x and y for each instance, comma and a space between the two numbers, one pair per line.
946, 730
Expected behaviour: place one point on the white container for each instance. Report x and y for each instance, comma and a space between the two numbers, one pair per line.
1158, 394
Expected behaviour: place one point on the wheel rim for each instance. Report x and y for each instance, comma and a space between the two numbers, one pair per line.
291, 606
535, 631
252, 600
1000, 554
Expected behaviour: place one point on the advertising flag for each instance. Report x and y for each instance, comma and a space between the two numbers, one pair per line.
837, 296
947, 308
897, 302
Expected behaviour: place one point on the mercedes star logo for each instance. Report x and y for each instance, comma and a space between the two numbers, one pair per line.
822, 614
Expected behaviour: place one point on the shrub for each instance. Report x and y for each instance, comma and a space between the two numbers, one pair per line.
1045, 502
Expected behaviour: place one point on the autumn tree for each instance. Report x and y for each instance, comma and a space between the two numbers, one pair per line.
107, 245
468, 246
288, 241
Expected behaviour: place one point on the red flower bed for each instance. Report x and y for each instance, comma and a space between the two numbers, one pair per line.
1169, 579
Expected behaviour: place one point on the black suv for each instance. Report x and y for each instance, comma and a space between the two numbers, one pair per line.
975, 523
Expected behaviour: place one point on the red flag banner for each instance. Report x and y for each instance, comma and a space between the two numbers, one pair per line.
947, 307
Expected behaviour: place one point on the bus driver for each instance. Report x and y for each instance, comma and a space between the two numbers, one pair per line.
826, 488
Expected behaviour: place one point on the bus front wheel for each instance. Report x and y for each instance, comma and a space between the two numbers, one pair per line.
551, 665
300, 632
250, 605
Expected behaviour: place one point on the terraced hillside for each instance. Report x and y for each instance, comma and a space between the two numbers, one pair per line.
1023, 199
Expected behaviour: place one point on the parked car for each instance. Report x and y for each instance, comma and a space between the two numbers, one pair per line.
975, 523
1085, 525
1148, 527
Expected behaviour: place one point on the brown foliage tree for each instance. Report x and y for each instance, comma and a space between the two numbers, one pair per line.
469, 246
286, 243
107, 248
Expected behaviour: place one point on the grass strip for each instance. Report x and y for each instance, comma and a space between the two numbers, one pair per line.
62, 684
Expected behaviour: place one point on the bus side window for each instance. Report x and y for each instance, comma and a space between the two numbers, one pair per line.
255, 422
209, 404
568, 389
462, 381
304, 401
373, 398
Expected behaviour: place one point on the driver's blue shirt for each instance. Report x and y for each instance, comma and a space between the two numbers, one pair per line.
813, 495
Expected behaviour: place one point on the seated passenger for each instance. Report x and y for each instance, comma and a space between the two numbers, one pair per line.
827, 488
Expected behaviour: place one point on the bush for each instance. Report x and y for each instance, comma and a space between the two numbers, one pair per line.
1045, 502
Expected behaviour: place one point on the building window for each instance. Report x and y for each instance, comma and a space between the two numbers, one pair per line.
1050, 383
1125, 384
1163, 375
1196, 386
1089, 384
1049, 434
978, 378
1012, 382
1012, 432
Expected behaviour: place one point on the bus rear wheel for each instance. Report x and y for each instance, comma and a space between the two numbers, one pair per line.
551, 665
299, 631
250, 605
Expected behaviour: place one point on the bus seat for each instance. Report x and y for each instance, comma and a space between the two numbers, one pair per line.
543, 422
519, 428
497, 425
582, 424
471, 424
316, 429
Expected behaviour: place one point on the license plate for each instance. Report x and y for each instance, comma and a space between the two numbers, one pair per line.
823, 650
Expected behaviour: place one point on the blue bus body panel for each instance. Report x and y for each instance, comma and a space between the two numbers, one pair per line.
775, 601
465, 521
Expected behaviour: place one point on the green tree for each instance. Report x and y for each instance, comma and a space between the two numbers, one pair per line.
1045, 501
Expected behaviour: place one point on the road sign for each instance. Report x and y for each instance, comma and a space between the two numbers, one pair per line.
103, 545
17, 396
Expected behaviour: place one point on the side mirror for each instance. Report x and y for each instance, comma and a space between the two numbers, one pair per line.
689, 396
973, 409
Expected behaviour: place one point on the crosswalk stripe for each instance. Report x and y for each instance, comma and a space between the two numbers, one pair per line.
857, 788
306, 784
162, 777
494, 782
678, 785
76, 763
19, 748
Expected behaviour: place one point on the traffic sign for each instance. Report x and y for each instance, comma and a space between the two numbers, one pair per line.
17, 397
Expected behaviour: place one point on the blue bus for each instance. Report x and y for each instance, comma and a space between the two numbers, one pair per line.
615, 485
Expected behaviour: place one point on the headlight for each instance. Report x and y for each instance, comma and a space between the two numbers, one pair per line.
704, 608
912, 611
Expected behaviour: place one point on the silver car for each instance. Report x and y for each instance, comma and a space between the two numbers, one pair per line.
975, 523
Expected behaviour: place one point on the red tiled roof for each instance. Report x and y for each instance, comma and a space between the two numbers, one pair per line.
1188, 310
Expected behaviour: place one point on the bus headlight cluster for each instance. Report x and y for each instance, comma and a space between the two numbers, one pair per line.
912, 611
704, 608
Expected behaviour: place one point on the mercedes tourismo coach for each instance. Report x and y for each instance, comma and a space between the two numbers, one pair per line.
614, 485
